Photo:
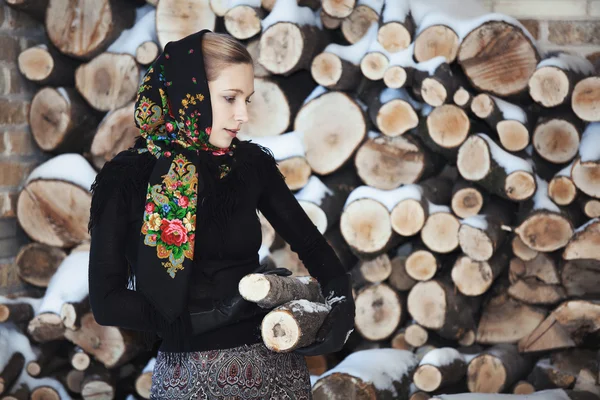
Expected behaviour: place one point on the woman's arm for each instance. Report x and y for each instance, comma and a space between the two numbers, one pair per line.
281, 208
111, 302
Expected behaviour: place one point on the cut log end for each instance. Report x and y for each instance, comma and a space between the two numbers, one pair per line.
395, 77
326, 69
280, 331
378, 312
45, 393
259, 285
586, 177
467, 202
486, 374
394, 36
521, 250
591, 208
549, 86
373, 65
514, 136
545, 231
35, 63
416, 335
427, 378
282, 46
475, 243
50, 119
365, 224
468, 339
421, 265
396, 117
440, 232
437, 40
337, 8
462, 97
472, 278
585, 99
482, 106
358, 22
427, 304
448, 126
520, 185
523, 387
433, 92
562, 190
147, 52
143, 385
242, 22
556, 140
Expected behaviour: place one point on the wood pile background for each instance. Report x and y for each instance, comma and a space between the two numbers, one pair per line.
453, 166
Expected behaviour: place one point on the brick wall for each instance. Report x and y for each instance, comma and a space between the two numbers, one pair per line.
557, 24
18, 151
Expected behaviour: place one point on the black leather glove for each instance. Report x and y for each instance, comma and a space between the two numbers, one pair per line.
338, 324
228, 310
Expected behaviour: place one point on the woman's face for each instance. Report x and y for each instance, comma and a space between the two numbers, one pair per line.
230, 95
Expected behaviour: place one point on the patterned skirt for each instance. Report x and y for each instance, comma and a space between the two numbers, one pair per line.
241, 373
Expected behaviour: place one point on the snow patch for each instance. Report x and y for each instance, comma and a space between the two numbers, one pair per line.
379, 366
305, 306
586, 225
589, 147
552, 394
441, 357
566, 171
143, 30
317, 91
569, 62
69, 284
509, 162
438, 208
33, 302
64, 94
476, 221
541, 200
314, 191
389, 198
510, 111
289, 11
396, 10
70, 167
354, 53
283, 146
389, 94
375, 5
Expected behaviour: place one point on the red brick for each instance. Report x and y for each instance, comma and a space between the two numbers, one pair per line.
9, 48
8, 204
574, 32
18, 142
12, 81
13, 173
14, 111
533, 26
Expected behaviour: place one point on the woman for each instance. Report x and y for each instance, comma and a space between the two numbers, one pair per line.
174, 228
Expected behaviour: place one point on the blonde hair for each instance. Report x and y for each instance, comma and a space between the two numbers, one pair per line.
221, 50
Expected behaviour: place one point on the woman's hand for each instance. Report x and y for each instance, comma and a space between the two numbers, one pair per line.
339, 323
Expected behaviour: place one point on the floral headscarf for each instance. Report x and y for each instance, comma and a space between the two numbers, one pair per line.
174, 115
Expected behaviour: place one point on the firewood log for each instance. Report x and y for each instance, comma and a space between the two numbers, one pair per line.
435, 305
521, 250
34, 8
467, 198
253, 47
581, 277
287, 44
542, 267
567, 326
555, 394
61, 121
98, 383
583, 242
369, 374
589, 205
482, 161
316, 122
510, 121
243, 21
561, 188
523, 387
560, 369
445, 129
509, 61
463, 98
474, 277
389, 162
586, 167
555, 77
45, 393
293, 325
16, 312
147, 52
440, 368
337, 9
496, 369
119, 74
176, 19
115, 133
50, 362
434, 41
416, 335
379, 312
422, 264
435, 86
270, 291
376, 270
355, 26
440, 232
393, 111
556, 137
506, 320
87, 29
71, 313
11, 371
328, 21
80, 360
37, 262
585, 99
397, 26
399, 278
143, 383
46, 66
276, 103
22, 393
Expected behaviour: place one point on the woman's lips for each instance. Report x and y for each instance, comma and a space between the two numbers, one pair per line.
231, 133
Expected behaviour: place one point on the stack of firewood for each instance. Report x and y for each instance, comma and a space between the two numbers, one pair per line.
452, 165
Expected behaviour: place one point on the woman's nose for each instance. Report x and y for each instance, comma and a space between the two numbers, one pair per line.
242, 113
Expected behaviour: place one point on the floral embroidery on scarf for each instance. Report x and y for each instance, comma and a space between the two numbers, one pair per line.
170, 215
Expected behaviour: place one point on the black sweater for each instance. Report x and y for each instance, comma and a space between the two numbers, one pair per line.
219, 261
